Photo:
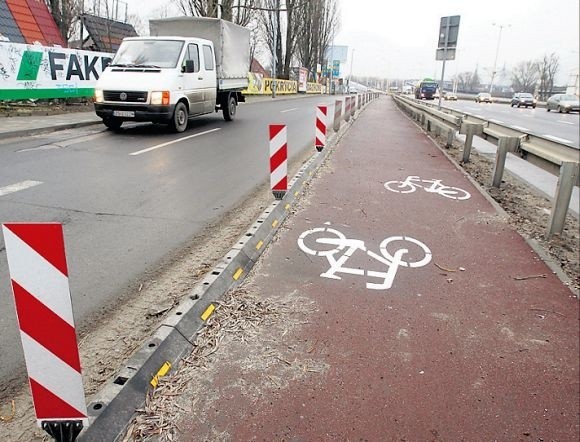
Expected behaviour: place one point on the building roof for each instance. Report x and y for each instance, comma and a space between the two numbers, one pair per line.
105, 35
28, 21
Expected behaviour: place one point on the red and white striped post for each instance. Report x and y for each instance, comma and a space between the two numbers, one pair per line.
337, 115
278, 160
320, 138
347, 109
39, 277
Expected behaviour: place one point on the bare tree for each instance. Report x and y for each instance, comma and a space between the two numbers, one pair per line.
320, 21
468, 81
525, 76
240, 12
547, 69
65, 14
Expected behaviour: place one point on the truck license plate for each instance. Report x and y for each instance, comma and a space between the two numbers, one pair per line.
126, 114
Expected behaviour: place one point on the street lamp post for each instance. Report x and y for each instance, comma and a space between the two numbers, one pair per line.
350, 75
496, 54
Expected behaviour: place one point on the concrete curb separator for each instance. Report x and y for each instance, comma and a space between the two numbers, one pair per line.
112, 408
48, 129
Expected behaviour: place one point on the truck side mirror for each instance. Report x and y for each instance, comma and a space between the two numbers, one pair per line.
189, 67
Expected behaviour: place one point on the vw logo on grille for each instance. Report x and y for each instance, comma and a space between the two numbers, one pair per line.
123, 96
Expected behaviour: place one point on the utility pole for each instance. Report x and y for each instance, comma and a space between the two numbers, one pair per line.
496, 54
350, 75
275, 28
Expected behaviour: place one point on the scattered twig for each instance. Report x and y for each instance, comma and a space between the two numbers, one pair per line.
312, 348
523, 278
444, 268
273, 381
283, 360
140, 288
459, 219
547, 311
9, 418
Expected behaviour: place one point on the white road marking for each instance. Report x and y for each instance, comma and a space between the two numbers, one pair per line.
558, 139
159, 146
523, 129
18, 186
497, 121
288, 110
565, 122
480, 116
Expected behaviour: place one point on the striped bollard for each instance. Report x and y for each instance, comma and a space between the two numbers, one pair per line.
359, 99
39, 277
320, 138
347, 109
278, 160
352, 106
337, 115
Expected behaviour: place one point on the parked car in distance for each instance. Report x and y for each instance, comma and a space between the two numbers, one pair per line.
523, 99
450, 96
563, 103
483, 97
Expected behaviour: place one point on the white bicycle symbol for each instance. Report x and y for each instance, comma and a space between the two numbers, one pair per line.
411, 184
337, 249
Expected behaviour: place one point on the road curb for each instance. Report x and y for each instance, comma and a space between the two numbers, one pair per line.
47, 129
112, 408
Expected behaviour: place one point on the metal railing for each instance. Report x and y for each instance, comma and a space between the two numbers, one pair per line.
559, 159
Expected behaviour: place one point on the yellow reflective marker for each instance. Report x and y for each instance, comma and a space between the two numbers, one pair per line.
296, 193
259, 245
208, 311
287, 206
275, 223
162, 372
238, 274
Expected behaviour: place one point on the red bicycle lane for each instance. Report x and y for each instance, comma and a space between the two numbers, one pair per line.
417, 324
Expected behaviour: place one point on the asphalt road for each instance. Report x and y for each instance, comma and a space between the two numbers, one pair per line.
124, 207
563, 128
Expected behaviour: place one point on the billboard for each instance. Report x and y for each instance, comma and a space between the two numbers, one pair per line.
302, 79
36, 72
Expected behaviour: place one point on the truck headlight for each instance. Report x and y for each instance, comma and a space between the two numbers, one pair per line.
160, 97
99, 96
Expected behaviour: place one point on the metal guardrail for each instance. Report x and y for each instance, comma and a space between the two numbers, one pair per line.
559, 159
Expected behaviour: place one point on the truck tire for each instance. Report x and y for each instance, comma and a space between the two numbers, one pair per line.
180, 118
112, 123
229, 107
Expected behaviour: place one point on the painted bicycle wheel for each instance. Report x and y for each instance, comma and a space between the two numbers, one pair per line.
321, 241
418, 254
454, 193
400, 186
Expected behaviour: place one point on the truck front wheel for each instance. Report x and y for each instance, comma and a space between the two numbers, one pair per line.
112, 123
229, 107
180, 118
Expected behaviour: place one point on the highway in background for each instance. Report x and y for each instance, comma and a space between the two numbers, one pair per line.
562, 128
128, 199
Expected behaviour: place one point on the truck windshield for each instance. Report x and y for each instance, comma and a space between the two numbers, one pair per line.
148, 53
429, 85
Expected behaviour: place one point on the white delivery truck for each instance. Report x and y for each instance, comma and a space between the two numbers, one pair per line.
187, 67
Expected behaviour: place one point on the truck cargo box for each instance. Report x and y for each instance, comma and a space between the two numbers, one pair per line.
231, 43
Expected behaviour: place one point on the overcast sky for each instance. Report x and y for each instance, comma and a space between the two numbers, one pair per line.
397, 39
